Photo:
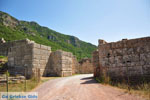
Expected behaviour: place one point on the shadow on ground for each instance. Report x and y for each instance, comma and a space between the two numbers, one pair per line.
89, 80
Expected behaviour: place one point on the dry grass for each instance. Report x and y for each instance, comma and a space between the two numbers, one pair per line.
140, 89
20, 87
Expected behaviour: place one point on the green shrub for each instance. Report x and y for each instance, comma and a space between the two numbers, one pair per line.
2, 57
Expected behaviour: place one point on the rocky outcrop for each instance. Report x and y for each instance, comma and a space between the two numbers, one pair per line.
8, 20
74, 41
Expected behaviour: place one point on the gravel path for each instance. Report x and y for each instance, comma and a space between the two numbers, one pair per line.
80, 87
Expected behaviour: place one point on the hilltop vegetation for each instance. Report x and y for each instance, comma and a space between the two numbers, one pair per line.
13, 29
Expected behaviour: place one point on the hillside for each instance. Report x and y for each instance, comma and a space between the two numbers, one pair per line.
14, 29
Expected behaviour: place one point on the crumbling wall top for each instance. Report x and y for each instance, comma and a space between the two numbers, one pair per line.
100, 41
124, 43
64, 53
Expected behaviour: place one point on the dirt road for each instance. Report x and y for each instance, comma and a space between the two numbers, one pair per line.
80, 87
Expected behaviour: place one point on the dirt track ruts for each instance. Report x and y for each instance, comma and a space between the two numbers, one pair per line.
80, 87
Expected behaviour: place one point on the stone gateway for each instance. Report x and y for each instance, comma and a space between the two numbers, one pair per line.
123, 59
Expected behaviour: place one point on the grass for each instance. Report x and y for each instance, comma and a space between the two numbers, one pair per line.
142, 90
2, 57
3, 60
20, 87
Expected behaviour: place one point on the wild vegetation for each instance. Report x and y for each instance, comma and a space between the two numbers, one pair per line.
3, 60
13, 29
19, 87
23, 86
142, 89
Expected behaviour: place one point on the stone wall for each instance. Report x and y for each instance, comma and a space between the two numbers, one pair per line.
75, 65
85, 66
126, 58
40, 58
20, 56
4, 47
61, 63
28, 55
95, 62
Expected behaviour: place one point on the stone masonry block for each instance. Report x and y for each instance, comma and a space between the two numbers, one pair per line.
44, 47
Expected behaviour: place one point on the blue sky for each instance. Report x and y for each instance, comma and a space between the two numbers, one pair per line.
89, 20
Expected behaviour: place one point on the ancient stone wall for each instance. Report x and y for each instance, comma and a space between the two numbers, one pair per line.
41, 57
95, 62
75, 65
20, 56
4, 47
85, 66
126, 58
61, 63
28, 55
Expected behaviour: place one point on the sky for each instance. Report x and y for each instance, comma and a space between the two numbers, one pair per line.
89, 20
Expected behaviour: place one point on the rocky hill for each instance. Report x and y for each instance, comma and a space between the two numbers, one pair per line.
14, 29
